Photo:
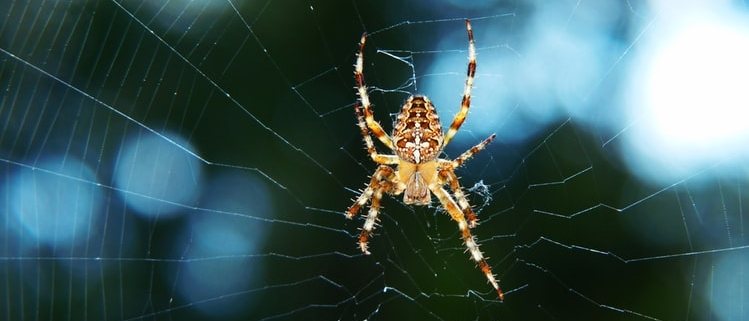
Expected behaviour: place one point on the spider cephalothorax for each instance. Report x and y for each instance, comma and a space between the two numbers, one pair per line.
417, 141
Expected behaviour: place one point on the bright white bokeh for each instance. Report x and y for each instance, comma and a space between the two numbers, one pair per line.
696, 85
156, 175
687, 97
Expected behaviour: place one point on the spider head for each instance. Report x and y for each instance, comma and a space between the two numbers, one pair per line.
417, 133
417, 179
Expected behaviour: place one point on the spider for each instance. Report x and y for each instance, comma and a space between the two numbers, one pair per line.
417, 141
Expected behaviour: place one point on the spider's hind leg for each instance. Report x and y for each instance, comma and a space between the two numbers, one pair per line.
376, 157
361, 89
465, 104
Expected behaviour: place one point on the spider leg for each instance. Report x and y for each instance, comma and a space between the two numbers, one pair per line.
378, 158
369, 224
449, 176
469, 153
469, 240
383, 180
364, 97
446, 172
460, 117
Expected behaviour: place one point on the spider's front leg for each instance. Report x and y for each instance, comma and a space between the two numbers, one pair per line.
384, 180
448, 176
468, 239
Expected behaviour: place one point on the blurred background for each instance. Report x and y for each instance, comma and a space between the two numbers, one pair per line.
193, 159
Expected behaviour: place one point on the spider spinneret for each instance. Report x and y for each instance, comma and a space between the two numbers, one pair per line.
417, 141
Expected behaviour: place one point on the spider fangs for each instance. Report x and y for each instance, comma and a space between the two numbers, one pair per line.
417, 141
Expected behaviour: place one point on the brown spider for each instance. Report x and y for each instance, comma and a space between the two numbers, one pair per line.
417, 141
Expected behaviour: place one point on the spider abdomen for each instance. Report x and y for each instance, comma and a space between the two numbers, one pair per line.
417, 133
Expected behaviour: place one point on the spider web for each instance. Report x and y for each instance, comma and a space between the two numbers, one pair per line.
193, 160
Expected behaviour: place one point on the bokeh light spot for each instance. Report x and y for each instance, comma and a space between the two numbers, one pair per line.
687, 99
156, 176
223, 243
54, 203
